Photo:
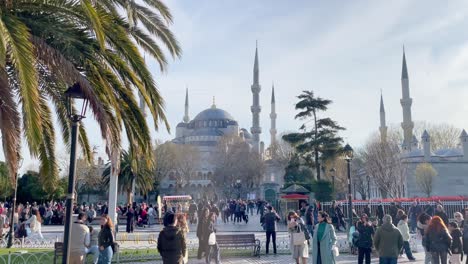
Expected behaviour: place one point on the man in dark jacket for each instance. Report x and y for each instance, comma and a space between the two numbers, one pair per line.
364, 243
171, 242
388, 241
441, 213
414, 212
269, 223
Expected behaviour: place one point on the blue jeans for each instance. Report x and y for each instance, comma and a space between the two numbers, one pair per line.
105, 256
387, 260
213, 252
407, 248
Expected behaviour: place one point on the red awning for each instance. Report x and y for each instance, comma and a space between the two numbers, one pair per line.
295, 196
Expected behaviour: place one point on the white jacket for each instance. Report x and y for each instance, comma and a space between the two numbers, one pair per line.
404, 230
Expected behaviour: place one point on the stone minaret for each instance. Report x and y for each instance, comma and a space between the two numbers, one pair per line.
464, 143
256, 130
426, 141
186, 115
273, 117
383, 122
406, 103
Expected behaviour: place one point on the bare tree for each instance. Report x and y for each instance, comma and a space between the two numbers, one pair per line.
425, 175
443, 135
235, 160
382, 160
187, 160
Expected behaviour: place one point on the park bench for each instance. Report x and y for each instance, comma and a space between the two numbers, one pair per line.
239, 241
58, 251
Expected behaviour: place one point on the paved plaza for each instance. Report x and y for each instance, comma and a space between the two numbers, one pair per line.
54, 232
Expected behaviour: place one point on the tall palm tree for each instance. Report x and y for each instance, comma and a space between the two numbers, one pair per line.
135, 174
48, 45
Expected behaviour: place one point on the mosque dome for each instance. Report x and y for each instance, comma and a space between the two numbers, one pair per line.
213, 113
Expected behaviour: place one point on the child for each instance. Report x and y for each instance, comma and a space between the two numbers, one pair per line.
404, 230
457, 243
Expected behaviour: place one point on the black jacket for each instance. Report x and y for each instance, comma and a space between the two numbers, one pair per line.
172, 245
442, 215
366, 233
106, 237
465, 237
457, 244
269, 221
438, 241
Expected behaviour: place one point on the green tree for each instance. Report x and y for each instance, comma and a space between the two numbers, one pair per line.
320, 140
323, 190
30, 189
47, 46
135, 174
6, 188
425, 175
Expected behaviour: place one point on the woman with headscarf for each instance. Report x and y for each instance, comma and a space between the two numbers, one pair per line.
323, 241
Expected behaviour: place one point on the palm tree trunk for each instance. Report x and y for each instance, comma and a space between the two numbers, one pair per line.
317, 164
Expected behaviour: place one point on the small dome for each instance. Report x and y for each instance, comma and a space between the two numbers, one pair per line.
213, 114
182, 124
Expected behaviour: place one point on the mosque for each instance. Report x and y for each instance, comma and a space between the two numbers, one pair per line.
450, 164
209, 126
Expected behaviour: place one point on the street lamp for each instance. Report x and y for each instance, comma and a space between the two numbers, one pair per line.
13, 207
74, 96
333, 172
348, 156
238, 186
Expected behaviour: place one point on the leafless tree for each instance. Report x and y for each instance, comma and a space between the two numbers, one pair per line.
382, 161
443, 135
235, 160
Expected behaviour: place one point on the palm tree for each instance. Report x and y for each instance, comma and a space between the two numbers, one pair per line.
134, 174
48, 45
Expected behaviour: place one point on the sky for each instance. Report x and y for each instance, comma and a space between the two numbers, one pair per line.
346, 51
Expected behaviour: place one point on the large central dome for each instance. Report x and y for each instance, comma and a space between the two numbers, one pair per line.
213, 113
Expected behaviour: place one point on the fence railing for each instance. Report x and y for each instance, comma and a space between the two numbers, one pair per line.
450, 207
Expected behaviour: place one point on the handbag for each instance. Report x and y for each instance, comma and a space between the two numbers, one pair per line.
298, 237
335, 251
212, 239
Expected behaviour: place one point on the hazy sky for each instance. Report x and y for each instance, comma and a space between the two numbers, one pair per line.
346, 51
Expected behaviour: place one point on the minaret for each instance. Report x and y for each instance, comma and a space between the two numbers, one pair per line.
406, 103
255, 108
273, 117
186, 115
383, 123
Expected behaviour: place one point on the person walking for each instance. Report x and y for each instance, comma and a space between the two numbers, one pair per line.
438, 240
151, 215
414, 212
365, 240
212, 245
298, 238
171, 241
423, 223
404, 230
388, 241
106, 240
457, 243
35, 223
269, 223
202, 232
440, 212
465, 236
310, 219
93, 247
380, 213
324, 240
81, 240
183, 226
130, 219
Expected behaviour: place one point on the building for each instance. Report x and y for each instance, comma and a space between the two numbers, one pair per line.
450, 164
210, 125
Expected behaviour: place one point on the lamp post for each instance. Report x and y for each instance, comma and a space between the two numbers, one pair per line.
348, 152
238, 186
333, 172
74, 96
13, 208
